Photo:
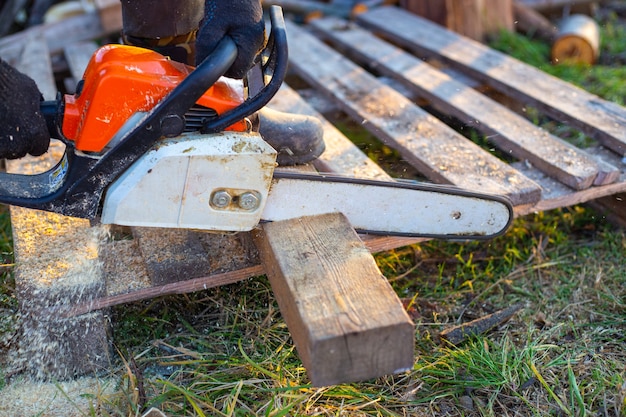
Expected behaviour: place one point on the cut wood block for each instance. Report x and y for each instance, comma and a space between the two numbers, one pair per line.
570, 105
510, 132
433, 148
345, 319
577, 42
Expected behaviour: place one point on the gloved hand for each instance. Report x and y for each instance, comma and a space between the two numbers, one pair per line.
22, 126
242, 20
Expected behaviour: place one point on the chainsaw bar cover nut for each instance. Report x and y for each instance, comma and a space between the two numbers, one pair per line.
249, 201
221, 199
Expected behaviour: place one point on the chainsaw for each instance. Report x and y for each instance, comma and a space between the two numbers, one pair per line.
156, 143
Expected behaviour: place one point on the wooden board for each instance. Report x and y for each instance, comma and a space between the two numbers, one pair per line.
570, 105
437, 151
345, 319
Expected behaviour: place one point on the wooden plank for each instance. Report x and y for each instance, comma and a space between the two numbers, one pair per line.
77, 55
35, 62
510, 132
433, 148
146, 293
556, 195
598, 118
347, 323
57, 35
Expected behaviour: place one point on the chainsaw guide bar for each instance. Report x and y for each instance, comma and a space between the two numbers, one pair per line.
398, 208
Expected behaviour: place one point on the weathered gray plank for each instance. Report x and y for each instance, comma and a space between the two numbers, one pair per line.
345, 319
35, 62
598, 118
509, 131
556, 195
77, 55
57, 35
430, 146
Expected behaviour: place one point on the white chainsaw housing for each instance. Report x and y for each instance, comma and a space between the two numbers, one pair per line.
207, 182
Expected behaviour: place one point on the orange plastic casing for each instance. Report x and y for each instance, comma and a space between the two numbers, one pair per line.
121, 80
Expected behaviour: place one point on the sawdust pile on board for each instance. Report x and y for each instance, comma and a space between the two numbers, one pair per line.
124, 267
54, 252
62, 399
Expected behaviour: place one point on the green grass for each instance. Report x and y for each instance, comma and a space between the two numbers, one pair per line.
227, 351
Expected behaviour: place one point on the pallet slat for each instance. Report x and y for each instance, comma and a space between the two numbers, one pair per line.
512, 133
432, 147
596, 117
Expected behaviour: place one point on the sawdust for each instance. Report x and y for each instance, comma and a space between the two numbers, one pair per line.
63, 399
124, 268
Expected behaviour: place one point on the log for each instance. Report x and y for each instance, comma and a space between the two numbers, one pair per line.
533, 23
346, 321
557, 7
577, 42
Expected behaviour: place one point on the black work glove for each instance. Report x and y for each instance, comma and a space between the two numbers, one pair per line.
23, 128
242, 20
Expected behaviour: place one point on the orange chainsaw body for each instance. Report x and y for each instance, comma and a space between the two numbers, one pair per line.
121, 80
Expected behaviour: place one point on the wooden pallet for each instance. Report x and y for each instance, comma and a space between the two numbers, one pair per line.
376, 82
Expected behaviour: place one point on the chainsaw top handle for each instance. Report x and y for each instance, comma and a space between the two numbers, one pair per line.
74, 186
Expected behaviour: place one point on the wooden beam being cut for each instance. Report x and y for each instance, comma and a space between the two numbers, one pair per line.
346, 321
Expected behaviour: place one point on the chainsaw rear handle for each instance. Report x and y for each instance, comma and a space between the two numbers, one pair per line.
74, 186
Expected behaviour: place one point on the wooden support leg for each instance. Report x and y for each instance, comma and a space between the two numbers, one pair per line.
345, 319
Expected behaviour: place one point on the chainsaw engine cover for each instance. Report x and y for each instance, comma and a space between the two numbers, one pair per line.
121, 80
206, 182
